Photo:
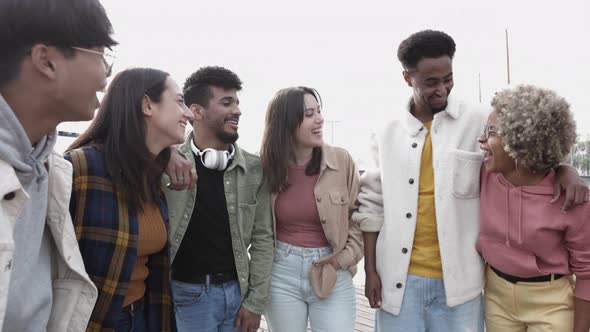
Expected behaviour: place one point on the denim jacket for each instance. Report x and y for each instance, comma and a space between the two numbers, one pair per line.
248, 205
74, 294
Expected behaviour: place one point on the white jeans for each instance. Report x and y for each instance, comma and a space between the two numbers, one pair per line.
292, 301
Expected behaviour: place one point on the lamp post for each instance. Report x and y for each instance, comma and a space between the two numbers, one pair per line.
331, 122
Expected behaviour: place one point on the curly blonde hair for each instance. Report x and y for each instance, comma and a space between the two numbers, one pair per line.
536, 126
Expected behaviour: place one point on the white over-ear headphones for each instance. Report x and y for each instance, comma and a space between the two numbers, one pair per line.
214, 159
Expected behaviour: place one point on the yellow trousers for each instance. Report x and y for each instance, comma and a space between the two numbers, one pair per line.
528, 306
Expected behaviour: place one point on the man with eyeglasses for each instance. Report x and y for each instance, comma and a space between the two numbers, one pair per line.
419, 209
52, 63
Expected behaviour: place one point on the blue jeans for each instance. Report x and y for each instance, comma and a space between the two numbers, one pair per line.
424, 308
206, 308
293, 302
130, 319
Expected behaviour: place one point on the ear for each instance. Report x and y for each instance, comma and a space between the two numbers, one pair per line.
44, 59
407, 77
197, 111
146, 106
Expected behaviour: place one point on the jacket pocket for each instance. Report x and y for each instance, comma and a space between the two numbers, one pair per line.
335, 215
71, 305
466, 167
339, 198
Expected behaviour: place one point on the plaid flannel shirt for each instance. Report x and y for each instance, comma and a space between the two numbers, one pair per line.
107, 231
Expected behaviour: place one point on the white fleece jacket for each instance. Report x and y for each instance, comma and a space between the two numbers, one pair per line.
389, 200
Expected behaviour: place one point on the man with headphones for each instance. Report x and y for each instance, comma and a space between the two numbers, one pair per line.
221, 229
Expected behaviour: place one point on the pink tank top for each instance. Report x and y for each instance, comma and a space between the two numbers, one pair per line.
296, 212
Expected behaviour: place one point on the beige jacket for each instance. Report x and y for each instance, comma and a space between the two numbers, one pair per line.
335, 191
74, 294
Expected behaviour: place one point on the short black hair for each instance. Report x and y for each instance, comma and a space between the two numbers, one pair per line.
197, 87
425, 44
60, 23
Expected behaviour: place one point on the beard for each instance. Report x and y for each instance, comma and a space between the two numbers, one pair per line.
435, 110
227, 138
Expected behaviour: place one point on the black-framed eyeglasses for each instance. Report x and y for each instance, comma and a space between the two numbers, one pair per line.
490, 131
108, 57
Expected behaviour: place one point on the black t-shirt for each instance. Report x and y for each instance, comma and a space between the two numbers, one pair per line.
206, 247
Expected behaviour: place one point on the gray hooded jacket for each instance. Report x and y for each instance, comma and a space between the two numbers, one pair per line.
29, 298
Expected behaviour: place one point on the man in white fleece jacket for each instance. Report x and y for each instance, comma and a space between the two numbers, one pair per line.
419, 209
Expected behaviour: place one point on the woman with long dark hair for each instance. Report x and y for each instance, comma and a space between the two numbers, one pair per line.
117, 204
314, 188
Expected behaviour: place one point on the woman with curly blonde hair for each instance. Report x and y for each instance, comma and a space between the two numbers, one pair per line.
532, 248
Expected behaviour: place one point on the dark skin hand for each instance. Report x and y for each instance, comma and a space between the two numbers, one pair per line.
246, 321
581, 315
372, 279
568, 180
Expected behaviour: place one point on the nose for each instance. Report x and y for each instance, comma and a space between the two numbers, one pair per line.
319, 118
441, 90
481, 138
237, 111
188, 114
108, 68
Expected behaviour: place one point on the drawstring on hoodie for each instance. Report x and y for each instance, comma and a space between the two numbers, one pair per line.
39, 171
519, 216
507, 219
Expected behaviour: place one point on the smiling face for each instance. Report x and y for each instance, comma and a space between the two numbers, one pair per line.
309, 132
222, 116
432, 81
79, 78
170, 116
496, 159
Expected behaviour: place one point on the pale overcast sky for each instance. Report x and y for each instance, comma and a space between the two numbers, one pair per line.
347, 51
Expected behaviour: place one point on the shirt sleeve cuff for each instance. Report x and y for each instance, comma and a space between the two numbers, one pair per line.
371, 224
252, 307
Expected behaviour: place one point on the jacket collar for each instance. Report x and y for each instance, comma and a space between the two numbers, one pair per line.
238, 160
329, 158
414, 126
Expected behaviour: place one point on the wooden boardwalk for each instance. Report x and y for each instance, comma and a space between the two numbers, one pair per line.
365, 316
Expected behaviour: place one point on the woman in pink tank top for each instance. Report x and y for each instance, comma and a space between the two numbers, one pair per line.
314, 188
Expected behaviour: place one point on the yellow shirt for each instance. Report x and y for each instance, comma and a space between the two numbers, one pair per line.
425, 260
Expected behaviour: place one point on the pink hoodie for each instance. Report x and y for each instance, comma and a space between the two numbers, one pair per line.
523, 234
